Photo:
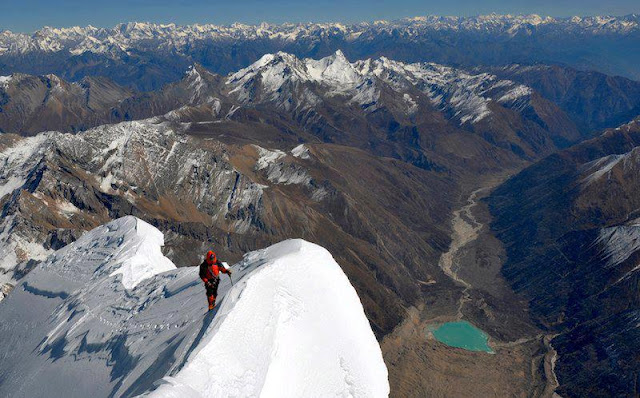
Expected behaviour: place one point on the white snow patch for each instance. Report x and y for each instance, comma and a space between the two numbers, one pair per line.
619, 242
17, 161
15, 250
280, 172
600, 167
412, 107
144, 259
4, 81
66, 208
515, 94
10, 185
301, 151
268, 157
319, 194
105, 183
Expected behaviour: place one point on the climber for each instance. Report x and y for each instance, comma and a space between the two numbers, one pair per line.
209, 273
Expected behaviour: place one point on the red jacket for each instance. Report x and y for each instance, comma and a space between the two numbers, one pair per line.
209, 272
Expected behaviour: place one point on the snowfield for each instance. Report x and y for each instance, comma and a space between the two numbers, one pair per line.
109, 315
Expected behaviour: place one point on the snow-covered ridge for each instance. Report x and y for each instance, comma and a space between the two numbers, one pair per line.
461, 94
291, 325
140, 35
294, 328
146, 260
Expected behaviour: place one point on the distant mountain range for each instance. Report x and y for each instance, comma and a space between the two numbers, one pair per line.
148, 55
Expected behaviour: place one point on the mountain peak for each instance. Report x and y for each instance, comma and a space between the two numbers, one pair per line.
339, 54
334, 68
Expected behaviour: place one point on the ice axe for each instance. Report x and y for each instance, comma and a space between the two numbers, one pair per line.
226, 266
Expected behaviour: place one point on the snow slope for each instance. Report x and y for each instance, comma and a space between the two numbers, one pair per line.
109, 316
294, 328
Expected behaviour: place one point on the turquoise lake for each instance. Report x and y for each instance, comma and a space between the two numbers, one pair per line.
462, 334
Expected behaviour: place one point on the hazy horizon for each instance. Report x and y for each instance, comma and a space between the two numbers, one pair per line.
31, 15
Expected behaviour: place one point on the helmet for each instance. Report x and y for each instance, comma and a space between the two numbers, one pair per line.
211, 257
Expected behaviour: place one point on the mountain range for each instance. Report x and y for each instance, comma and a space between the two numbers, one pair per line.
147, 56
479, 169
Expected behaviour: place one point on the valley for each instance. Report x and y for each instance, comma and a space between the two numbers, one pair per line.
483, 298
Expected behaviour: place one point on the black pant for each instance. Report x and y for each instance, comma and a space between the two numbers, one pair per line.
212, 288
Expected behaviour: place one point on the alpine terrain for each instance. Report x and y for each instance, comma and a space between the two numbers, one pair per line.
433, 206
117, 316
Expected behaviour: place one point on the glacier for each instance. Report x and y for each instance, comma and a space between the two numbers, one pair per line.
110, 316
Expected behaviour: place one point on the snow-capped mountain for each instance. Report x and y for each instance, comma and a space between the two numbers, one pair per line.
170, 37
276, 78
279, 78
335, 100
356, 102
109, 315
147, 55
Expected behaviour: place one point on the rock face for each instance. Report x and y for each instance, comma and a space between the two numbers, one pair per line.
32, 104
569, 224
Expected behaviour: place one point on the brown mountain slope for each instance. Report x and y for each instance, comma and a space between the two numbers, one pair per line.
570, 228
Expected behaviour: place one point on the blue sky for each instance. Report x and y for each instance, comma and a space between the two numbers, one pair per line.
28, 15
